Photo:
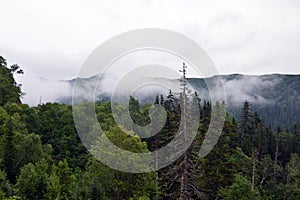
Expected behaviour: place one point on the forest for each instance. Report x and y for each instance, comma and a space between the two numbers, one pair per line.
42, 156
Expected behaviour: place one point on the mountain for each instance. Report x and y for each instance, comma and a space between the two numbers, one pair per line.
275, 97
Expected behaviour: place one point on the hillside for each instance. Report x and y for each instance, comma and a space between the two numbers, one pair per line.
275, 97
44, 152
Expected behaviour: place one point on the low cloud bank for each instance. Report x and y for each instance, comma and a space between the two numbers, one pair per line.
238, 88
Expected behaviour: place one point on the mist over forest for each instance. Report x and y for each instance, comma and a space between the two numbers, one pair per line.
44, 154
274, 96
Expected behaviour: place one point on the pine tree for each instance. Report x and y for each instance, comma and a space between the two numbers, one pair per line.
240, 190
10, 91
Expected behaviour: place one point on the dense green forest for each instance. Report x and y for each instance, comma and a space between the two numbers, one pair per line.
42, 157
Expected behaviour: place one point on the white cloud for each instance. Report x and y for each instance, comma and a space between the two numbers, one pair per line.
53, 38
45, 90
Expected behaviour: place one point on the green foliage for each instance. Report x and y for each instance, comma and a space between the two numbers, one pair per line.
122, 185
57, 129
113, 184
19, 146
42, 157
239, 190
61, 181
9, 90
33, 179
284, 95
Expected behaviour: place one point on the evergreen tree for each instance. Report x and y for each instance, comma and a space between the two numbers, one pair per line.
32, 180
240, 190
10, 91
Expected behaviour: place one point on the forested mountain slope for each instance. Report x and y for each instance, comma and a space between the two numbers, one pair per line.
42, 156
275, 97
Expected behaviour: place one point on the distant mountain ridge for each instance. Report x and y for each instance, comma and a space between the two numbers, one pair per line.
276, 97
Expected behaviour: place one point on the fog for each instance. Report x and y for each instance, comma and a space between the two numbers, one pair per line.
238, 88
40, 90
243, 88
249, 88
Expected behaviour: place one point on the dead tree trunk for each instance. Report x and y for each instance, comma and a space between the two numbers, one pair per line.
184, 170
254, 161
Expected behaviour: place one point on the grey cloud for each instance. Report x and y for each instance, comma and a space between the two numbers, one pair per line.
248, 88
37, 88
53, 38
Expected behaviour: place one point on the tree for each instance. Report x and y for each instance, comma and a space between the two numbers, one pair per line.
9, 90
246, 129
6, 188
58, 130
118, 184
241, 189
61, 182
33, 179
252, 137
20, 147
293, 178
296, 139
224, 160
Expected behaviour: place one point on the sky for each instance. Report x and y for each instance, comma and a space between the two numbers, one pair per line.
52, 38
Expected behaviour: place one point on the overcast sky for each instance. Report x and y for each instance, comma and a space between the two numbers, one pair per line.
52, 38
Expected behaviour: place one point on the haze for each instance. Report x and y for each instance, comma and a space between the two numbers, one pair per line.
51, 39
